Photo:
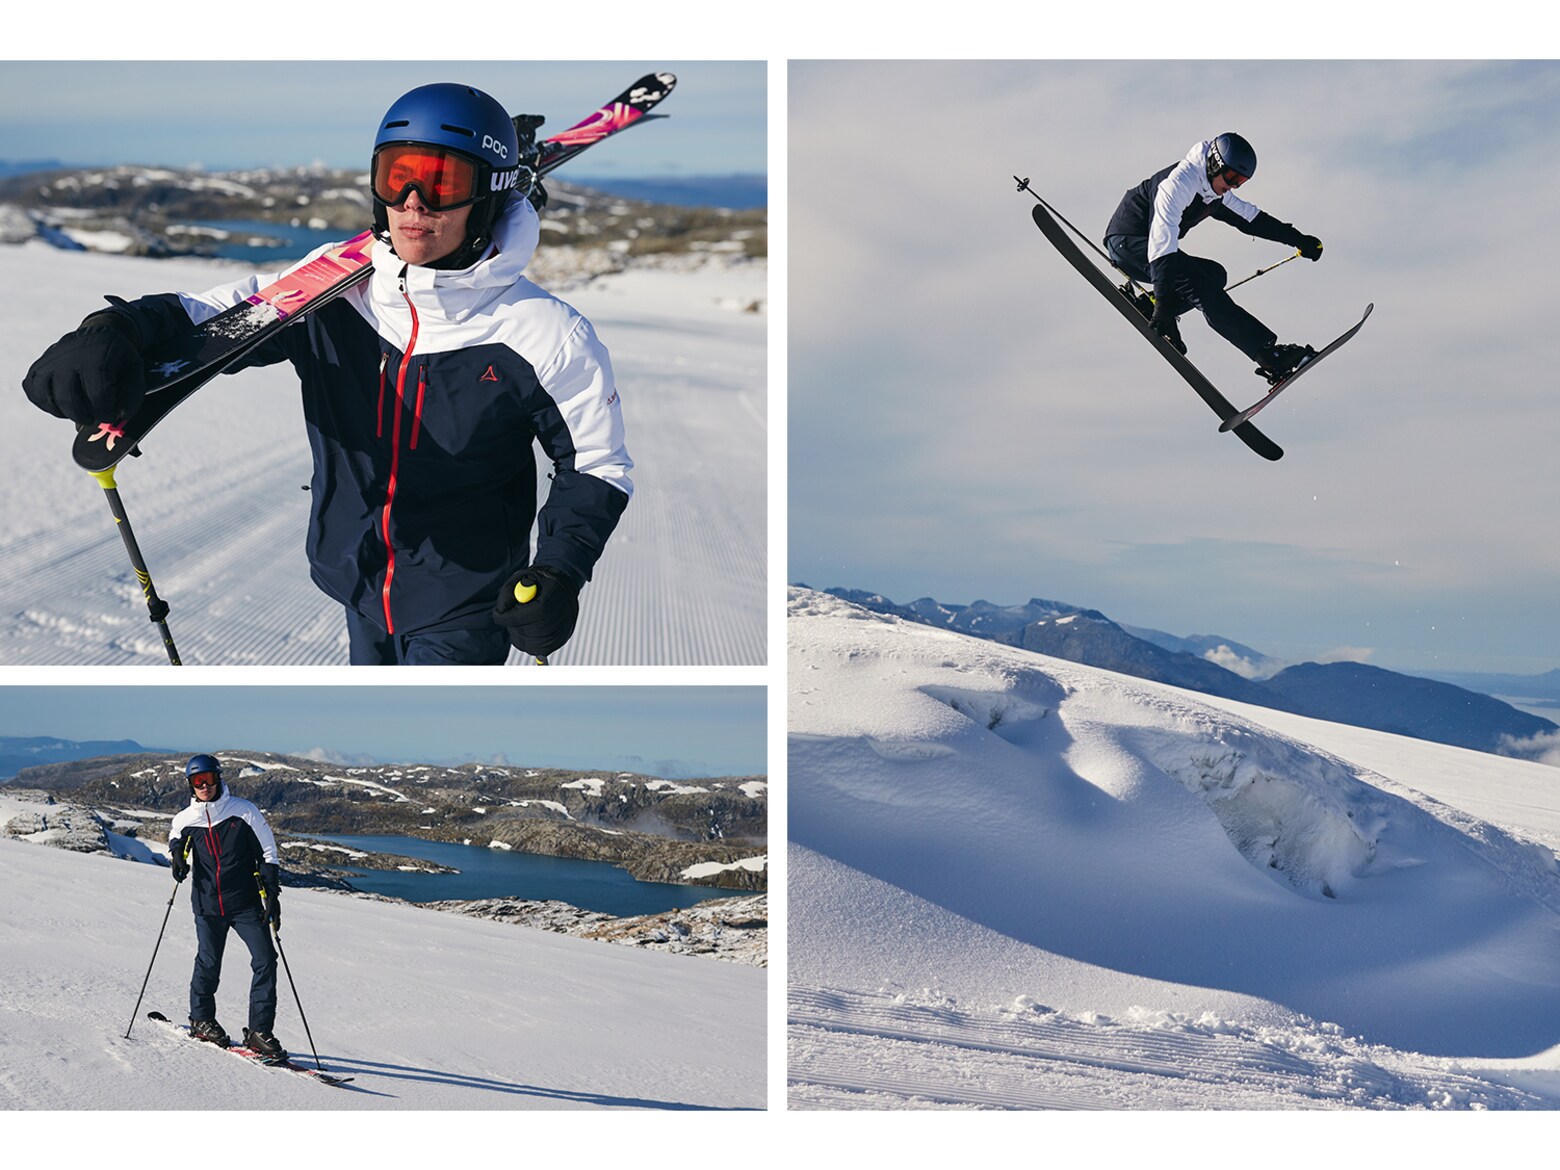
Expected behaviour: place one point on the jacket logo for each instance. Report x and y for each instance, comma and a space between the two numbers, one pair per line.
490, 376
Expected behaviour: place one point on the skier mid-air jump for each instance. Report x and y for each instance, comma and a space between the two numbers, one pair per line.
1143, 240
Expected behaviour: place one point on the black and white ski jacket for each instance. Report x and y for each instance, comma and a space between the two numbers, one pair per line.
423, 393
1169, 203
227, 839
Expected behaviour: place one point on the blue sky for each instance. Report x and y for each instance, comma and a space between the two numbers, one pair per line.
967, 419
229, 114
673, 731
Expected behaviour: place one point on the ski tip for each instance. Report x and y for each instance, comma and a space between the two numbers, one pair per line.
157, 1016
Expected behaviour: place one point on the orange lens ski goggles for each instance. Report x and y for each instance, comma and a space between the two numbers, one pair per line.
441, 178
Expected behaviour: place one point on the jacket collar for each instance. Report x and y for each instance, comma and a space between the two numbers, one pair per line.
457, 295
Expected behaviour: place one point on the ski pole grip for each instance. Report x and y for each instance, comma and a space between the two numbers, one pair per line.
524, 591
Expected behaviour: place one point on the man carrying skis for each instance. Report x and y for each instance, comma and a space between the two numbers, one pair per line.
424, 388
223, 843
1143, 240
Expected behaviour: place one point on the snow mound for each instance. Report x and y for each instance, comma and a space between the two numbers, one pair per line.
1149, 835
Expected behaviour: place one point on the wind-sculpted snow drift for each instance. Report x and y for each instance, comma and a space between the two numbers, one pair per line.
1091, 818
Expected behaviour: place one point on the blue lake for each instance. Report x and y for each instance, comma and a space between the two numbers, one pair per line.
293, 243
500, 873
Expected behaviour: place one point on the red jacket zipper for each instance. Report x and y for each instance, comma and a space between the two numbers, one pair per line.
216, 857
395, 459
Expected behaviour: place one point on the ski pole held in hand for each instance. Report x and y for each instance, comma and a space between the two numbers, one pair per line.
156, 606
137, 1009
276, 936
1260, 271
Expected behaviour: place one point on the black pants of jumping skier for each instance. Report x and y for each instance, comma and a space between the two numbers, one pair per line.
210, 940
1200, 286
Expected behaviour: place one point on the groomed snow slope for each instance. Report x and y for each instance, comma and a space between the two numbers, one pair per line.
428, 1011
1017, 881
217, 506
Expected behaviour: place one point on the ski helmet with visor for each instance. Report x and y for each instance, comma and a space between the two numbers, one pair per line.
455, 146
1231, 156
204, 765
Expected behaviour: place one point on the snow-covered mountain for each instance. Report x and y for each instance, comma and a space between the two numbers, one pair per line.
1021, 882
1347, 692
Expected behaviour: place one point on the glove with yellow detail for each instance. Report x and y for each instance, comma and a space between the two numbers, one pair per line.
538, 607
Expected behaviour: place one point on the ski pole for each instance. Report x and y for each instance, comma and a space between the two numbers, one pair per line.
156, 606
1023, 185
1260, 271
137, 1009
276, 934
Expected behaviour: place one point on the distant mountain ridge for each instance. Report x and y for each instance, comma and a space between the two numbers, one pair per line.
1340, 692
26, 751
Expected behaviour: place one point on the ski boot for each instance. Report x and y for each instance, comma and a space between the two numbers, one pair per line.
1141, 301
1281, 361
264, 1044
211, 1032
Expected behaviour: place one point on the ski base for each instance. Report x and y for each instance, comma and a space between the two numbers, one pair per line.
1236, 419
285, 1064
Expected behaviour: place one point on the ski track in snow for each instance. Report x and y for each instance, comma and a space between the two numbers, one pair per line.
854, 1050
216, 505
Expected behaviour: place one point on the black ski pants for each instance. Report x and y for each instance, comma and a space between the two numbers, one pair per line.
210, 940
1200, 285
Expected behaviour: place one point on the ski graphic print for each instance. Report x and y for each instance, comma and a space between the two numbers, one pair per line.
249, 1054
175, 372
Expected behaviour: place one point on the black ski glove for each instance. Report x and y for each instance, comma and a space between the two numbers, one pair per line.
94, 374
178, 859
544, 622
1310, 247
271, 887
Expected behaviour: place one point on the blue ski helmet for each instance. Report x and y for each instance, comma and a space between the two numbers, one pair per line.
468, 123
1231, 152
203, 763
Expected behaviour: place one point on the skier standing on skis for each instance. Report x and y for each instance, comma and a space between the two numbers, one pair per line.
1143, 240
424, 388
223, 843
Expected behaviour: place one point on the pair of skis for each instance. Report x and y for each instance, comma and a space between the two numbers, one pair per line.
314, 1074
1230, 418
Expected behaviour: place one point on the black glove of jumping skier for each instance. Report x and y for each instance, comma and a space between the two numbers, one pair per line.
93, 374
1310, 247
178, 859
543, 621
271, 889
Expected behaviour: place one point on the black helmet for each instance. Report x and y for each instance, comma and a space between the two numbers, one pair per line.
203, 763
1231, 152
441, 120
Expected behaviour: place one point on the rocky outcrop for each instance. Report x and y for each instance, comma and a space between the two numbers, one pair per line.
733, 929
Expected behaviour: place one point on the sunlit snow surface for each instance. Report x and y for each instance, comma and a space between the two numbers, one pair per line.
1020, 882
217, 505
427, 1010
